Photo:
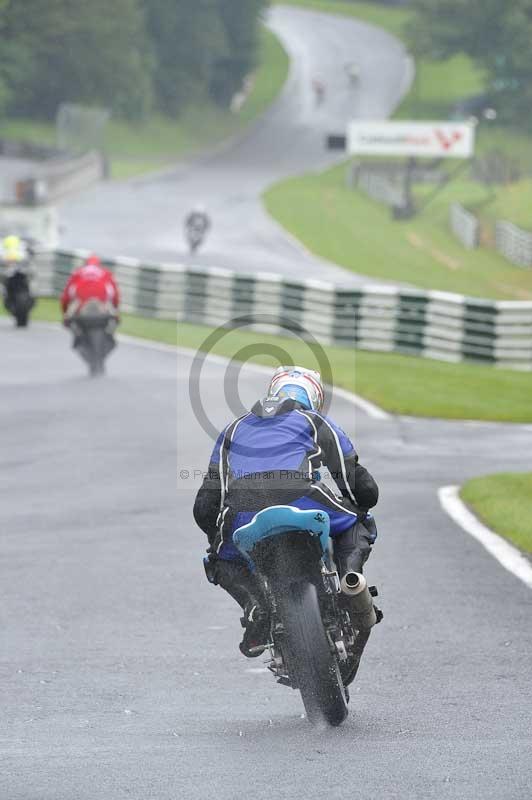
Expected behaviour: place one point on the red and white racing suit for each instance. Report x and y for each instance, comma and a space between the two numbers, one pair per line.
89, 282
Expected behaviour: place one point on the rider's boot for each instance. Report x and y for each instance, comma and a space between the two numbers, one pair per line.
352, 549
245, 588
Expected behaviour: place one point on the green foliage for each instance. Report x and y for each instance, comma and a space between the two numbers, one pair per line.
129, 55
64, 50
495, 34
161, 139
187, 40
208, 46
438, 86
240, 22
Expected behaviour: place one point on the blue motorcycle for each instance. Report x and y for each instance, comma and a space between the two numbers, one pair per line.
319, 626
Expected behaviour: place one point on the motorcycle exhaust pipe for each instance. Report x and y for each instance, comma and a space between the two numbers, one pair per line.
355, 586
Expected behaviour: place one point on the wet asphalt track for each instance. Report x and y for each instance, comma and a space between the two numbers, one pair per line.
120, 676
143, 217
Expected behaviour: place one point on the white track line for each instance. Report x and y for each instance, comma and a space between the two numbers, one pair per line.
366, 406
373, 411
505, 553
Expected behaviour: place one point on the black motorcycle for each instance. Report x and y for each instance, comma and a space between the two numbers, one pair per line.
18, 298
93, 329
319, 625
196, 228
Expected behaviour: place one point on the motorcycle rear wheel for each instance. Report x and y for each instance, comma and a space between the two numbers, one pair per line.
96, 351
23, 306
22, 318
312, 664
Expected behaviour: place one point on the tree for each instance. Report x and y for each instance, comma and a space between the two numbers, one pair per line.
64, 50
187, 38
202, 46
240, 19
495, 34
125, 54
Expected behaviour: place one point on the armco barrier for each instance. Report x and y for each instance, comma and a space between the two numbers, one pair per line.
12, 148
53, 179
383, 185
436, 325
40, 223
514, 243
465, 226
49, 173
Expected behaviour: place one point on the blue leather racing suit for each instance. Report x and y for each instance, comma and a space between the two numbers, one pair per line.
270, 456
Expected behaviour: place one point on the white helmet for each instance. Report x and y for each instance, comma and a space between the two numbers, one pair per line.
303, 385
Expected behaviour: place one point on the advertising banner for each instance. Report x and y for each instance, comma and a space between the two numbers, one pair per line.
430, 139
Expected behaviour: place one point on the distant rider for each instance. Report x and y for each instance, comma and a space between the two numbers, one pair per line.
13, 250
197, 225
198, 218
318, 88
352, 71
15, 258
91, 281
16, 253
269, 457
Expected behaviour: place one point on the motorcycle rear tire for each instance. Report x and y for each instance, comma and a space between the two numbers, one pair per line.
312, 664
22, 318
23, 306
96, 350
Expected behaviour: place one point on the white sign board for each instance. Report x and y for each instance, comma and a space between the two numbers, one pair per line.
431, 139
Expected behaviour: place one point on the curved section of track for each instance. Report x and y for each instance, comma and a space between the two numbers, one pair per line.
120, 671
143, 218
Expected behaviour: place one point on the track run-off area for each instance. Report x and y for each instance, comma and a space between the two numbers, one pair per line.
120, 673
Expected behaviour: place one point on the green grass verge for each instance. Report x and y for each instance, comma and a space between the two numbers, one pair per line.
399, 384
438, 86
348, 228
504, 503
135, 149
510, 202
269, 78
28, 130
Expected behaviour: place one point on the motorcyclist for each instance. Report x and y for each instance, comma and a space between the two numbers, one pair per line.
198, 219
270, 457
91, 281
16, 256
352, 71
14, 250
16, 253
318, 88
